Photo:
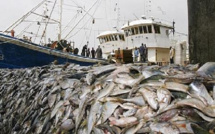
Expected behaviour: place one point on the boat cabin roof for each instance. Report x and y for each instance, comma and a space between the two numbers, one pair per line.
145, 22
106, 33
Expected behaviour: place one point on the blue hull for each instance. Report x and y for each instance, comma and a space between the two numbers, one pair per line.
16, 53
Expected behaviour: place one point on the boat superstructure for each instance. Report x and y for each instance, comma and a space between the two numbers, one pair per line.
111, 41
155, 34
152, 33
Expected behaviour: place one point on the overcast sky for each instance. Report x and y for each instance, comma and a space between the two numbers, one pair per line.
105, 14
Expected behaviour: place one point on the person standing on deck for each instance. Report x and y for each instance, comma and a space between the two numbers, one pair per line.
93, 52
142, 52
171, 55
136, 54
12, 33
88, 52
84, 49
76, 51
99, 52
145, 53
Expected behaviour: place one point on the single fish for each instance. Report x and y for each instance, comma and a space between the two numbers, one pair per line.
129, 82
93, 116
168, 115
164, 127
207, 70
81, 111
107, 110
90, 78
106, 91
51, 100
67, 125
57, 106
136, 100
145, 112
176, 87
150, 97
123, 122
164, 97
134, 129
199, 89
130, 112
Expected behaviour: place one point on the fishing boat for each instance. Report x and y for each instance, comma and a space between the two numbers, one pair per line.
16, 52
153, 33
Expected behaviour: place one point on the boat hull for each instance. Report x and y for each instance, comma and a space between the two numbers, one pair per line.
17, 53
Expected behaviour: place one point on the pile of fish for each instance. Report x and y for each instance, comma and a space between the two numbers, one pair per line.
108, 99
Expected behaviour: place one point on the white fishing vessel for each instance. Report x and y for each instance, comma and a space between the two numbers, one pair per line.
111, 41
149, 31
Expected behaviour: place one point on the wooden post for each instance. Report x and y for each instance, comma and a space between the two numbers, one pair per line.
201, 17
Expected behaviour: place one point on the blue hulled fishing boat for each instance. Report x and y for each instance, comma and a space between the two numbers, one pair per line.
18, 52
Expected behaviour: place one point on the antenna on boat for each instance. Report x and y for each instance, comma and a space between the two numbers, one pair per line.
118, 15
173, 25
147, 7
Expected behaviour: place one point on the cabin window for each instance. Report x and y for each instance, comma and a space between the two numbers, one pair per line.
100, 40
123, 38
1, 57
115, 36
120, 37
136, 30
145, 29
126, 33
110, 37
141, 29
105, 39
167, 33
150, 29
132, 31
129, 32
157, 29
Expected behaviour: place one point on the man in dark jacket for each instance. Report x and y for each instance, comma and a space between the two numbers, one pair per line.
93, 53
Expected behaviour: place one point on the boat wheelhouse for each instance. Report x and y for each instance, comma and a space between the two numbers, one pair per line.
152, 33
111, 41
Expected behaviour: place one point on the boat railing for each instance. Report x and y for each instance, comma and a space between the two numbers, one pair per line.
48, 49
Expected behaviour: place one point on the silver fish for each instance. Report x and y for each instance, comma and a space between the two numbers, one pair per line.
90, 78
57, 106
94, 112
134, 129
176, 86
123, 122
164, 97
200, 90
67, 124
129, 81
150, 97
164, 127
51, 99
207, 70
107, 110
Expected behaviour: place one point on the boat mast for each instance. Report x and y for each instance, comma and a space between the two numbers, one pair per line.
60, 21
45, 20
